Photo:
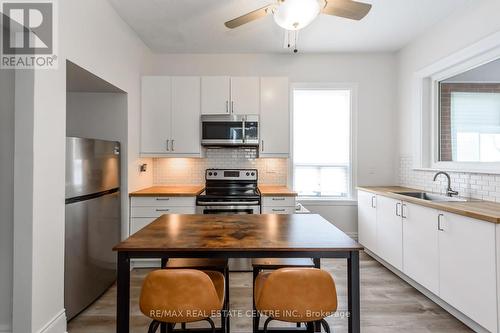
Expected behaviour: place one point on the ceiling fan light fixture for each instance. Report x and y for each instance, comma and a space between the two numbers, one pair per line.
296, 14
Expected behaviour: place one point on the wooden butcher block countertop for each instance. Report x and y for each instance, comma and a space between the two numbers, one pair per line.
276, 190
478, 209
169, 191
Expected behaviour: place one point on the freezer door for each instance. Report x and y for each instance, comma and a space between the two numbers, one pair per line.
92, 229
92, 166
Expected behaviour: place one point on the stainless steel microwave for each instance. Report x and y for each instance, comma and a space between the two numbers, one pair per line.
230, 130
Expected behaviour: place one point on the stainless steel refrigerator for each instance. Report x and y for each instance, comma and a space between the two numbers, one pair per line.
92, 220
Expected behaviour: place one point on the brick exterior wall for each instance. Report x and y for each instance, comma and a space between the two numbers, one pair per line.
446, 89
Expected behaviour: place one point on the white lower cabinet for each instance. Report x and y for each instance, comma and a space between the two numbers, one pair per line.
451, 255
367, 220
278, 205
420, 245
467, 267
144, 210
390, 231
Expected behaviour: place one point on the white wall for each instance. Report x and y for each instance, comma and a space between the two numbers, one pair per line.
101, 116
375, 75
458, 31
7, 86
94, 37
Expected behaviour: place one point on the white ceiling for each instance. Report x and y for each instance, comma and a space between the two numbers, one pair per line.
196, 26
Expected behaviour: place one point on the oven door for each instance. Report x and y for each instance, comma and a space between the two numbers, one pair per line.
227, 209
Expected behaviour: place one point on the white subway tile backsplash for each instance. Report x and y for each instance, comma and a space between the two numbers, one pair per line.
477, 186
192, 170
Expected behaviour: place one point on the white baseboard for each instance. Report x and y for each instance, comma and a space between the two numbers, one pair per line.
5, 328
454, 312
56, 324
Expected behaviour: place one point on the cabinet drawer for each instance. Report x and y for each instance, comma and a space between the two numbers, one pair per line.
162, 201
158, 211
278, 210
278, 201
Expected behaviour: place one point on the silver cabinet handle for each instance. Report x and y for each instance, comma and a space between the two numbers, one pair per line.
232, 106
168, 141
162, 199
439, 222
278, 210
163, 210
172, 145
278, 199
403, 211
227, 106
262, 145
373, 204
397, 210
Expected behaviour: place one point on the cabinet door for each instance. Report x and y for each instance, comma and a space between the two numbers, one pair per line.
245, 95
274, 117
155, 114
367, 220
467, 267
186, 104
390, 231
215, 95
420, 245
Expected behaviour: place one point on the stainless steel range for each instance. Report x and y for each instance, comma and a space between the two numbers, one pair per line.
230, 192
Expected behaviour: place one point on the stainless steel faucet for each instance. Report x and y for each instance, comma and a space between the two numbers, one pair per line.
449, 191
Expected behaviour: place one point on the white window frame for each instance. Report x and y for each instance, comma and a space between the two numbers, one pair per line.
353, 87
426, 114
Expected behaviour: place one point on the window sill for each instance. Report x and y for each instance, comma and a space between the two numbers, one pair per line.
327, 201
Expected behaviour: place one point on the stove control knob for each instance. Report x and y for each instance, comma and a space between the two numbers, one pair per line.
209, 173
253, 173
215, 173
248, 173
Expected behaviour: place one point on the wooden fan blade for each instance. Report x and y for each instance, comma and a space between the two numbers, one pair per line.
252, 16
347, 8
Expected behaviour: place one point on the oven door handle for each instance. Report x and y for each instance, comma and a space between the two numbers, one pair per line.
229, 203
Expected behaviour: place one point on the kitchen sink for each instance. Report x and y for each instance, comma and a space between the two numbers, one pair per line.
431, 196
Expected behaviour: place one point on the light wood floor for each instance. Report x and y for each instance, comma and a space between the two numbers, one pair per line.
388, 304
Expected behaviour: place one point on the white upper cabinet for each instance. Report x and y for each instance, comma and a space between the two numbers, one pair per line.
156, 114
467, 269
186, 104
274, 117
245, 95
420, 245
367, 220
390, 231
170, 116
215, 95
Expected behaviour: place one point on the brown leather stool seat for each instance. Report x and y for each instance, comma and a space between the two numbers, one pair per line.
298, 295
210, 264
181, 296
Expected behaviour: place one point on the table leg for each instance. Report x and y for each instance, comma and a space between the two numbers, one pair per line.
123, 293
353, 297
317, 264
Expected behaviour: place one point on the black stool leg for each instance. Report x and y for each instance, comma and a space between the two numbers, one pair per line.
183, 326
212, 325
163, 328
266, 323
153, 326
310, 327
255, 314
325, 325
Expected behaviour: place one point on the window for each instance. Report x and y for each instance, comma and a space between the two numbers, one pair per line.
322, 142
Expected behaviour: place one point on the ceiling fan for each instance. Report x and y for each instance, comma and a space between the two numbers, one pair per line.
293, 15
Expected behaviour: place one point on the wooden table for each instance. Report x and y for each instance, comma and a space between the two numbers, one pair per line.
238, 236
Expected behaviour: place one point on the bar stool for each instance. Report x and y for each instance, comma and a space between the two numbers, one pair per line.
261, 264
181, 296
296, 295
205, 264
